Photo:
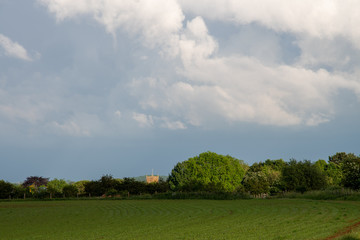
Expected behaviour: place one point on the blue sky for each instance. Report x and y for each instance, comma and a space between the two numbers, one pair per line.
93, 87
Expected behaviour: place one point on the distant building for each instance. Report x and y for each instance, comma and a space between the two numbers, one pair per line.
152, 178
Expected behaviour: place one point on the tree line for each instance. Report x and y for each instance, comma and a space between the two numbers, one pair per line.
106, 186
207, 172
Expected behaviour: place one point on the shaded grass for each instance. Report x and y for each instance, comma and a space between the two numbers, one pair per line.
176, 219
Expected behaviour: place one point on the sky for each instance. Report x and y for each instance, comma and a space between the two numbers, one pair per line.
94, 87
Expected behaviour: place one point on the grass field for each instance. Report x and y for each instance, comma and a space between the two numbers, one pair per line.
177, 219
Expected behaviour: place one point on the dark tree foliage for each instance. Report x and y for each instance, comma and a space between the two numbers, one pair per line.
37, 181
6, 189
351, 172
107, 183
340, 157
256, 182
110, 186
70, 190
302, 176
132, 186
264, 177
93, 188
276, 165
344, 168
18, 191
102, 186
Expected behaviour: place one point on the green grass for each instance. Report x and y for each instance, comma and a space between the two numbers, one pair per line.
177, 219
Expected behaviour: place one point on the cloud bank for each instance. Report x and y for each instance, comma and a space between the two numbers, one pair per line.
209, 88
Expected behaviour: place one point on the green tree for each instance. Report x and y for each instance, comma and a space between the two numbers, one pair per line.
93, 188
102, 186
343, 169
351, 172
80, 185
321, 164
130, 185
302, 176
6, 189
332, 171
340, 157
256, 182
276, 165
107, 183
334, 174
18, 191
264, 177
70, 190
208, 171
55, 187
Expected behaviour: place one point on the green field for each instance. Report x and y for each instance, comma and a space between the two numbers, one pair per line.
177, 219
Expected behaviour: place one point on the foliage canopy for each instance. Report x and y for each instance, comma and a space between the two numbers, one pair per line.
208, 171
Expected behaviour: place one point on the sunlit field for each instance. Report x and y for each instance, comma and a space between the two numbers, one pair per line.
178, 219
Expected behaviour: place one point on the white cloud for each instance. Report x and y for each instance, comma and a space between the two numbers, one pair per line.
143, 120
317, 18
205, 88
13, 49
157, 22
332, 53
196, 43
240, 88
173, 125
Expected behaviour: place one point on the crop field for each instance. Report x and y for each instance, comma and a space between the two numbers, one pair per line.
178, 219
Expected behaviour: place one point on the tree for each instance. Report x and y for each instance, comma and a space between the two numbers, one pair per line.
35, 181
276, 165
107, 183
334, 174
131, 186
70, 190
93, 188
6, 189
208, 171
321, 164
55, 187
102, 186
18, 191
36, 186
351, 172
264, 177
302, 176
256, 182
340, 157
332, 170
80, 185
344, 169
